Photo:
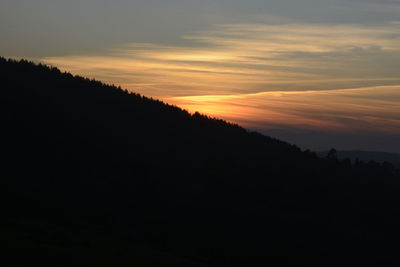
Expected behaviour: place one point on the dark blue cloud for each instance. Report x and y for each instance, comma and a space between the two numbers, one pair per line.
55, 27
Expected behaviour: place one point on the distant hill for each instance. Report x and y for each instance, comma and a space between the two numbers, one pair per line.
366, 156
93, 175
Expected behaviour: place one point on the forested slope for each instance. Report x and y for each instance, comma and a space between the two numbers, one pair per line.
84, 161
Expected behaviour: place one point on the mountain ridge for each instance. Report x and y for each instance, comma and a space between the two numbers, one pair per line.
102, 163
366, 156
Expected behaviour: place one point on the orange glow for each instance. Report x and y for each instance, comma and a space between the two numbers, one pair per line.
266, 76
367, 109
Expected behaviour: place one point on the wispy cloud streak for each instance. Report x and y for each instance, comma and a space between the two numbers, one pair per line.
371, 109
251, 58
267, 76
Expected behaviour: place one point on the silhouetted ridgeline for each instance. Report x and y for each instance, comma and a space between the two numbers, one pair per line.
366, 156
93, 175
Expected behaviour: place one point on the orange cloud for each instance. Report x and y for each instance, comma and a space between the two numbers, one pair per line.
266, 76
373, 109
250, 58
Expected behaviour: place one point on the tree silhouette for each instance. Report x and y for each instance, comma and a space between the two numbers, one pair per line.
332, 155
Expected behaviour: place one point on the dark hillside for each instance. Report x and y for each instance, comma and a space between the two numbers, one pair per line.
93, 174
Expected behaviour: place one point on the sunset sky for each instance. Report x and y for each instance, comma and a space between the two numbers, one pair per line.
317, 73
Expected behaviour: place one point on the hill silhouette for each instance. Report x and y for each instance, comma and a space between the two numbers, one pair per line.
93, 175
366, 156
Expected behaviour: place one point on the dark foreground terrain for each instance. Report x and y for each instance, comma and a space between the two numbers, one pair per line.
92, 175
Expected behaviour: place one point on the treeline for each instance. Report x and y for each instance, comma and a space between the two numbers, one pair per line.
95, 160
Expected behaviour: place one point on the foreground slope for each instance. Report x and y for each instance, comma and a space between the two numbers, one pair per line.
84, 162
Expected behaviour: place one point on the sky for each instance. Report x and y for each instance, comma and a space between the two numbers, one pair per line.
317, 73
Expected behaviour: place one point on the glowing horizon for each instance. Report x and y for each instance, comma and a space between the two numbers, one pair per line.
367, 109
266, 76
